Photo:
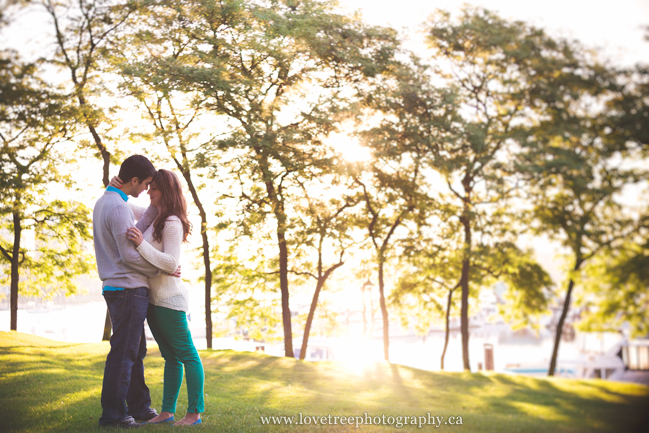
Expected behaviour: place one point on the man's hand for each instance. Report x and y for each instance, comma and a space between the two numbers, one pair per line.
116, 182
176, 273
135, 235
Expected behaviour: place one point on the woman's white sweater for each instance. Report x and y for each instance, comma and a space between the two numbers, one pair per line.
166, 291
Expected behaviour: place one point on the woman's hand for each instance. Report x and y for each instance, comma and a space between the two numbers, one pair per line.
116, 182
135, 235
176, 273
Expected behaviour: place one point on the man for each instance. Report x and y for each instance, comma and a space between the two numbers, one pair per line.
124, 274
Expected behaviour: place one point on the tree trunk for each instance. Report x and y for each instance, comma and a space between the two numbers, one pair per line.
364, 315
283, 283
384, 313
447, 330
309, 319
275, 198
208, 285
15, 276
464, 284
105, 156
206, 252
107, 327
562, 319
322, 279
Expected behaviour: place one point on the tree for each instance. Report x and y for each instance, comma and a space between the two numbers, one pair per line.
34, 124
492, 66
434, 271
326, 230
257, 64
244, 294
575, 193
576, 170
395, 191
84, 32
391, 192
615, 282
430, 275
172, 118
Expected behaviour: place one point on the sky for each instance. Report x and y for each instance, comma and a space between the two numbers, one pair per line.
614, 28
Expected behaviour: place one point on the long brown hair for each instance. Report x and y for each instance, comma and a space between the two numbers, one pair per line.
172, 202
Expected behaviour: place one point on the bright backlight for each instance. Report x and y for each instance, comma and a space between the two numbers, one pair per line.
349, 147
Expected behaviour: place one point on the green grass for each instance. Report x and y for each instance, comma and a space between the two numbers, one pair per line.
53, 386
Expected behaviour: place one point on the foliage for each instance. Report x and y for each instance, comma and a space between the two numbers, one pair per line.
243, 293
628, 109
488, 62
529, 285
615, 291
256, 64
61, 251
576, 166
429, 272
85, 33
35, 125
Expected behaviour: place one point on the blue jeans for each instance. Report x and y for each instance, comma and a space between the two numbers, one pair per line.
124, 392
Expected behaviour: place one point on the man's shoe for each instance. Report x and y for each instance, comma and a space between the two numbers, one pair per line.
127, 422
150, 414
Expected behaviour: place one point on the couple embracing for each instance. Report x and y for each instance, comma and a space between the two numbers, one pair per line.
140, 272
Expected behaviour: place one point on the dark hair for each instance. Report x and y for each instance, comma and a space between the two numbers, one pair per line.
172, 202
136, 166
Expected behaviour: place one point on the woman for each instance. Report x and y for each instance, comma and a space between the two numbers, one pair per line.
168, 304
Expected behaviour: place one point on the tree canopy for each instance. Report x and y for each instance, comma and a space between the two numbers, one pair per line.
498, 132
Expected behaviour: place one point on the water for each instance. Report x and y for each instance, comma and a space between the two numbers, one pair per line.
84, 323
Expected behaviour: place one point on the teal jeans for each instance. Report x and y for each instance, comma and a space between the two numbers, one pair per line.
169, 328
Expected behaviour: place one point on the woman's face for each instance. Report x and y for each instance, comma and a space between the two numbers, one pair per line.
155, 194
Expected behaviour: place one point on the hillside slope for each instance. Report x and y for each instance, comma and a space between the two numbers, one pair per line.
53, 386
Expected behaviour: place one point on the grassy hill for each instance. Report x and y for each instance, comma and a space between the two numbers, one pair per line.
48, 386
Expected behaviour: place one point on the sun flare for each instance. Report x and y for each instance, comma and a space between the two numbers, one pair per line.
349, 147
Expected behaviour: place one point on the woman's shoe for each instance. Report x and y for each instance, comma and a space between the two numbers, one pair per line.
163, 421
199, 421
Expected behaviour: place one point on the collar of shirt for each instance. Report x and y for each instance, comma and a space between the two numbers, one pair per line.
118, 191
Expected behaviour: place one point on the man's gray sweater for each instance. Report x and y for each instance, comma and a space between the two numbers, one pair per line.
118, 262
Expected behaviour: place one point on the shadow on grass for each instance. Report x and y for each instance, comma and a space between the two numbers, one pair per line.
489, 398
483, 399
56, 387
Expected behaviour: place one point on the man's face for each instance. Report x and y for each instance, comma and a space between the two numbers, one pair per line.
141, 186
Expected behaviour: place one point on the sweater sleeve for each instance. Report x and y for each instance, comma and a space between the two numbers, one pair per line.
119, 222
138, 210
147, 218
168, 259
